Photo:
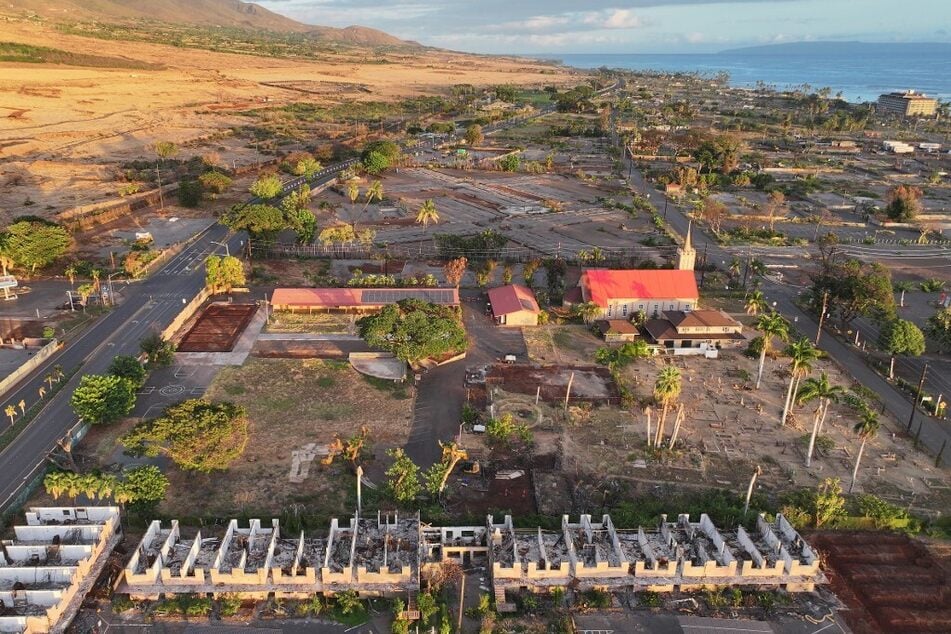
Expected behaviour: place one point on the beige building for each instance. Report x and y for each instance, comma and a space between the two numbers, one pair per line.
908, 104
51, 563
392, 555
514, 305
699, 330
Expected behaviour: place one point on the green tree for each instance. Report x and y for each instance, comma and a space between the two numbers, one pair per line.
260, 221
900, 336
215, 182
189, 193
623, 355
854, 289
143, 486
337, 234
158, 351
297, 214
378, 156
510, 162
866, 428
34, 244
666, 390
267, 187
427, 213
801, 355
829, 502
402, 478
348, 601
223, 273
904, 203
939, 328
100, 399
128, 367
474, 135
772, 325
307, 167
427, 606
196, 434
414, 330
438, 474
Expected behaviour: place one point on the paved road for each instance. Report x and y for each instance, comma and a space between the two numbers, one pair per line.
148, 306
441, 392
933, 433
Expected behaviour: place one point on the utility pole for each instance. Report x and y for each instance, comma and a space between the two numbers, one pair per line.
914, 405
703, 261
822, 315
359, 490
158, 178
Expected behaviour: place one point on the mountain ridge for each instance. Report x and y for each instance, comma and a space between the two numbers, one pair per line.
211, 13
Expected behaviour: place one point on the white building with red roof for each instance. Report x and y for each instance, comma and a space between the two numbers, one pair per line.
622, 293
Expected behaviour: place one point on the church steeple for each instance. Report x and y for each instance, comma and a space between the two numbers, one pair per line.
686, 255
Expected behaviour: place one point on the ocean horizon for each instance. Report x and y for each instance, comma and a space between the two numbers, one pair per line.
859, 77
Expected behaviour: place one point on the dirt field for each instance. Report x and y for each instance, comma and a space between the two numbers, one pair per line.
217, 328
890, 583
291, 403
71, 126
729, 428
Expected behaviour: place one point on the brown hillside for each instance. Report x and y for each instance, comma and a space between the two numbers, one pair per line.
225, 13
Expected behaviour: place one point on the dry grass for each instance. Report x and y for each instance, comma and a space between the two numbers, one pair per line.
317, 323
567, 344
290, 403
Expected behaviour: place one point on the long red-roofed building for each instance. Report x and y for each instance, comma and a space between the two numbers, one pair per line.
621, 293
357, 299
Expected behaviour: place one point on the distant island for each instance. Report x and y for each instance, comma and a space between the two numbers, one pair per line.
843, 48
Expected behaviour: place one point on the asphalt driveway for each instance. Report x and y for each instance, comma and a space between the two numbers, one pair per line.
441, 392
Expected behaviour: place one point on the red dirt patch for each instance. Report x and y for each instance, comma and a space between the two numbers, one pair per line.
218, 328
891, 583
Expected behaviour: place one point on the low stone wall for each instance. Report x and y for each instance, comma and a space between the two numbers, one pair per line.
86, 216
190, 309
31, 364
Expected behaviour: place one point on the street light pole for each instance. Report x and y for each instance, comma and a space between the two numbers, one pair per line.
822, 315
225, 245
914, 406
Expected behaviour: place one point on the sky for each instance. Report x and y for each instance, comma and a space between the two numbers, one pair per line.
638, 26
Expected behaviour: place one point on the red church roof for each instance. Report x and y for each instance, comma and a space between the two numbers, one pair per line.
604, 285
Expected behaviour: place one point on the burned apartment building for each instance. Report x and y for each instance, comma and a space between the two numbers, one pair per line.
391, 554
51, 563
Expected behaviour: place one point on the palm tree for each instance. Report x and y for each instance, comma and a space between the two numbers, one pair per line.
164, 150
427, 213
735, 267
55, 483
756, 270
801, 355
70, 274
756, 303
49, 379
6, 262
587, 311
373, 192
771, 324
84, 290
58, 371
666, 390
866, 428
11, 411
822, 389
353, 191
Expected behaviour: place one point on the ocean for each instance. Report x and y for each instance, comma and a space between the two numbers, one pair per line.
860, 75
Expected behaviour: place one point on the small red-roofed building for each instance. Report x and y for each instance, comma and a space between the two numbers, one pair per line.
514, 305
